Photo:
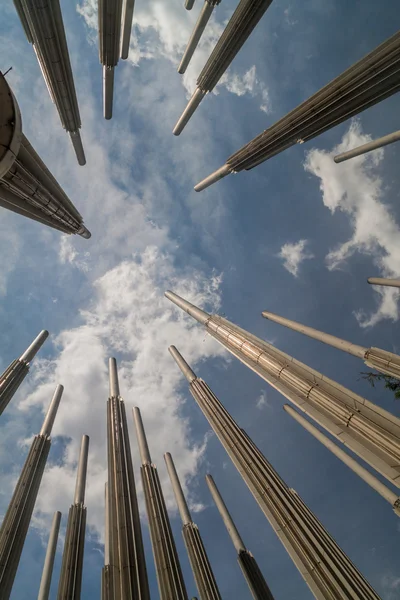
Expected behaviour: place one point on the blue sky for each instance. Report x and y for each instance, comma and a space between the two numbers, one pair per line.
298, 236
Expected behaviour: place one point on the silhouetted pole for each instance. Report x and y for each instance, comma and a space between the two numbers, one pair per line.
326, 569
368, 147
45, 582
69, 587
26, 185
367, 82
202, 571
124, 575
189, 4
368, 430
169, 574
18, 516
42, 22
383, 281
14, 375
250, 569
242, 23
199, 28
381, 360
365, 475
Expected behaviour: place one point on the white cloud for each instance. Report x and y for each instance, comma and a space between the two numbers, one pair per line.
262, 400
129, 317
248, 83
293, 255
356, 189
391, 585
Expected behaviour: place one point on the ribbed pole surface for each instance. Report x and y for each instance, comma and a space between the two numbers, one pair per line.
201, 567
125, 575
369, 81
45, 582
242, 23
44, 20
169, 574
16, 372
327, 570
69, 587
17, 518
370, 431
370, 479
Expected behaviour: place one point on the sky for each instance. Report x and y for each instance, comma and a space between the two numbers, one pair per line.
298, 235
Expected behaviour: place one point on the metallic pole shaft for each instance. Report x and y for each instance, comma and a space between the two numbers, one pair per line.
199, 28
193, 103
200, 315
126, 27
170, 580
52, 411
189, 4
113, 378
178, 492
379, 143
365, 475
326, 338
367, 429
33, 349
383, 281
226, 517
108, 91
78, 147
45, 582
182, 364
82, 470
326, 569
141, 436
213, 178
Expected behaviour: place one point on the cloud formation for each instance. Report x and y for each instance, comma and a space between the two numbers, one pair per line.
356, 189
293, 255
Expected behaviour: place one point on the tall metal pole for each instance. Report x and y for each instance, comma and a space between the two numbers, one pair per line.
45, 582
250, 569
365, 475
202, 571
242, 23
26, 185
368, 430
43, 22
367, 82
383, 281
381, 360
326, 569
124, 575
17, 518
69, 586
169, 574
379, 143
16, 372
199, 28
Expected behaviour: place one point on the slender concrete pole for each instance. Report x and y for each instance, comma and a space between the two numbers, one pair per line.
199, 28
113, 377
108, 91
82, 470
141, 436
33, 349
200, 315
45, 582
372, 481
52, 411
383, 281
178, 492
193, 103
379, 143
226, 517
326, 338
182, 364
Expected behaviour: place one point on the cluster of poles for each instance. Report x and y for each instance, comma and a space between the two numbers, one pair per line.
370, 432
367, 82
